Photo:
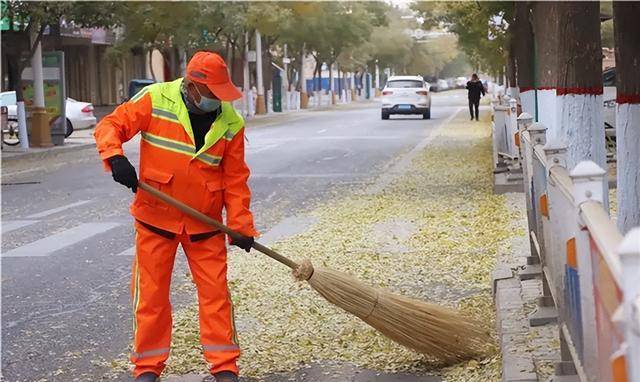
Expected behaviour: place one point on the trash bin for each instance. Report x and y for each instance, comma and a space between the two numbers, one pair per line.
277, 92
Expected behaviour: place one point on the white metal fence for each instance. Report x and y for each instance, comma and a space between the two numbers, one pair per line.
590, 272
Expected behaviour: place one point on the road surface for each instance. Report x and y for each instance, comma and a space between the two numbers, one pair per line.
67, 236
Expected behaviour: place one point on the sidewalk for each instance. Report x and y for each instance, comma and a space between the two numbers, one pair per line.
83, 139
79, 140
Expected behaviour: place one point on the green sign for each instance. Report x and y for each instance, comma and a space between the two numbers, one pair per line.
54, 92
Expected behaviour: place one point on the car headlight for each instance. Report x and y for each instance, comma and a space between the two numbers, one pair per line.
610, 104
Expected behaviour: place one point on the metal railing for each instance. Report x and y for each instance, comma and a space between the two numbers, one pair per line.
590, 272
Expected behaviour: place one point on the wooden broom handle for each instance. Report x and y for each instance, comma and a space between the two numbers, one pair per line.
212, 222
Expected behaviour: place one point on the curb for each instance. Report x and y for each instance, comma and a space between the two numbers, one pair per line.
517, 365
46, 153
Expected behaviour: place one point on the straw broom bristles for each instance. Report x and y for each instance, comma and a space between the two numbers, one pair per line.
429, 329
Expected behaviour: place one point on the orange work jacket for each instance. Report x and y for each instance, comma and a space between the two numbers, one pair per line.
208, 180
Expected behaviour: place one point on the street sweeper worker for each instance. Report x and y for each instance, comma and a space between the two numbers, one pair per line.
192, 148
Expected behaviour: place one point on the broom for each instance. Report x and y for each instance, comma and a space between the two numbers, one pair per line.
434, 331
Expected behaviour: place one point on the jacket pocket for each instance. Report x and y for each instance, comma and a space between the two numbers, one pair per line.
213, 200
159, 180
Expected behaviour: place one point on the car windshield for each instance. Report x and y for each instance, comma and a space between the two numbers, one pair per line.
609, 77
8, 99
404, 84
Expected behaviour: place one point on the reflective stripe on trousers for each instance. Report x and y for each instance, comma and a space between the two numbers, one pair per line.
149, 353
230, 347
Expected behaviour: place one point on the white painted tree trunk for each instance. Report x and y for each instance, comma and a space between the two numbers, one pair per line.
528, 101
581, 128
547, 111
22, 126
628, 171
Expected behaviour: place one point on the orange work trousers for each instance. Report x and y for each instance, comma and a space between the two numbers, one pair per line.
150, 286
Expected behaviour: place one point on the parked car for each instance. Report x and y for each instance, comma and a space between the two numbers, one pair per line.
441, 85
609, 97
136, 85
609, 111
8, 99
406, 95
79, 114
461, 82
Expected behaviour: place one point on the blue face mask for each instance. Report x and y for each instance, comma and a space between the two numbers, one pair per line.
207, 104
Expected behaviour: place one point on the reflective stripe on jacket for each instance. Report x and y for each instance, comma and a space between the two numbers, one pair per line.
214, 177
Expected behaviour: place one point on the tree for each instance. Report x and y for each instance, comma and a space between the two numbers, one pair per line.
27, 22
481, 28
606, 27
167, 25
545, 33
523, 37
579, 83
625, 19
456, 67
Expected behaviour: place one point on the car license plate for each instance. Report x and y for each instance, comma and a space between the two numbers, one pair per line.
404, 107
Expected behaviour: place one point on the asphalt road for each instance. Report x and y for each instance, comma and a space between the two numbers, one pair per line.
67, 236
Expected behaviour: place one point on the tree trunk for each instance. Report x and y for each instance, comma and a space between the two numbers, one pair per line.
625, 25
153, 74
173, 63
511, 70
579, 86
523, 34
318, 85
229, 57
14, 68
545, 33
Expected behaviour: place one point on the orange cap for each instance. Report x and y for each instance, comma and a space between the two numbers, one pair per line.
209, 69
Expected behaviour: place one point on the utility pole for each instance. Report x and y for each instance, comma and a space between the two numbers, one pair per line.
332, 90
260, 105
377, 92
40, 130
246, 84
304, 97
285, 79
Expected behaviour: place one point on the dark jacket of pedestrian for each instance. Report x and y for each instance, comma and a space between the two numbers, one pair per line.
475, 88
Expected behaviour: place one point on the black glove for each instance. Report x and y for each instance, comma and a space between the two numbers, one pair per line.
123, 172
244, 242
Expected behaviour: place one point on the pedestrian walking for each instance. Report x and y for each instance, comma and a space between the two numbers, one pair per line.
192, 148
475, 91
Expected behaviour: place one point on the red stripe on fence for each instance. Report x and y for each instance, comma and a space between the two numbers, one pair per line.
628, 98
592, 91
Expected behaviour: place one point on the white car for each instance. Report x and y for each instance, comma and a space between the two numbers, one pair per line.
461, 82
609, 97
406, 95
79, 114
442, 85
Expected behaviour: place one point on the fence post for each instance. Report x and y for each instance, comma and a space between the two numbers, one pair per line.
545, 311
588, 178
538, 133
629, 252
561, 269
512, 126
587, 303
537, 136
556, 154
526, 158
